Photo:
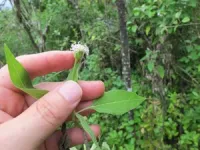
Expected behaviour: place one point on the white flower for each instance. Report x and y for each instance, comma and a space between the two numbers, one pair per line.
80, 47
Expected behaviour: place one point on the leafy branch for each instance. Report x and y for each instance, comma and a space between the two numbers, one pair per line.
115, 102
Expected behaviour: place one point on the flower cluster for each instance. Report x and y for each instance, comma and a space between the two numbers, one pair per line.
80, 47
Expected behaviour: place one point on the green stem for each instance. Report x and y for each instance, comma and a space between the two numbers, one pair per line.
73, 75
84, 109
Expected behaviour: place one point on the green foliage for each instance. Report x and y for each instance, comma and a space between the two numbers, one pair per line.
20, 76
161, 71
117, 102
165, 61
11, 33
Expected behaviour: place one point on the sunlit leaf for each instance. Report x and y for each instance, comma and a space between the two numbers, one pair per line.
20, 76
147, 30
150, 66
160, 71
186, 19
134, 28
178, 14
117, 102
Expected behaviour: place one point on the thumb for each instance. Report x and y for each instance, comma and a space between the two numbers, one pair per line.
39, 121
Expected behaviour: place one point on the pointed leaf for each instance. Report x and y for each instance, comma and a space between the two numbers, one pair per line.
35, 93
87, 128
161, 71
178, 14
20, 76
105, 146
150, 66
147, 30
186, 19
134, 28
117, 102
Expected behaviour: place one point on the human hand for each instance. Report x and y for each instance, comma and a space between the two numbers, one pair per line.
27, 124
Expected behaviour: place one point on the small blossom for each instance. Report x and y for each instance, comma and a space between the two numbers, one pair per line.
80, 47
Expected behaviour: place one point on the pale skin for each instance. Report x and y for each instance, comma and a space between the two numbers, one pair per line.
29, 124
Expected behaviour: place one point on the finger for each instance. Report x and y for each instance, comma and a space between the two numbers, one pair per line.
52, 143
84, 105
42, 118
75, 136
11, 102
91, 89
40, 64
80, 107
4, 117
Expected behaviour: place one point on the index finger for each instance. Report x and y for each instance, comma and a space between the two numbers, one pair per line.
40, 64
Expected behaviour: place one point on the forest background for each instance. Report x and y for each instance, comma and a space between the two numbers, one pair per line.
161, 41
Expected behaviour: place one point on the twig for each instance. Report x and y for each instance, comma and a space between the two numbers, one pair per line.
189, 24
193, 79
85, 140
64, 141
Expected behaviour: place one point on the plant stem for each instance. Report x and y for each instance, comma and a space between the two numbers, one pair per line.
73, 75
84, 109
64, 142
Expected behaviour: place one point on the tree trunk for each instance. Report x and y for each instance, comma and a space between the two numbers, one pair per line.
126, 68
25, 19
125, 52
20, 17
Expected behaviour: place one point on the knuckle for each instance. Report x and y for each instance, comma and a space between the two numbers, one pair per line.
48, 112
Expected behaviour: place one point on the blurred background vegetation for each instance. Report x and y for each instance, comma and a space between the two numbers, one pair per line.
164, 46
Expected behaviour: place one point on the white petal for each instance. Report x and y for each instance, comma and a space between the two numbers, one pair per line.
80, 47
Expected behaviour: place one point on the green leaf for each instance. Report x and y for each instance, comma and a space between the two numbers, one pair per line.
150, 66
178, 14
195, 93
193, 55
186, 19
148, 53
198, 68
134, 28
161, 71
193, 3
93, 38
87, 128
147, 30
20, 76
117, 102
105, 146
35, 93
73, 148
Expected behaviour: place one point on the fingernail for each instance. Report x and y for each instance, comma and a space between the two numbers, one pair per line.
71, 91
